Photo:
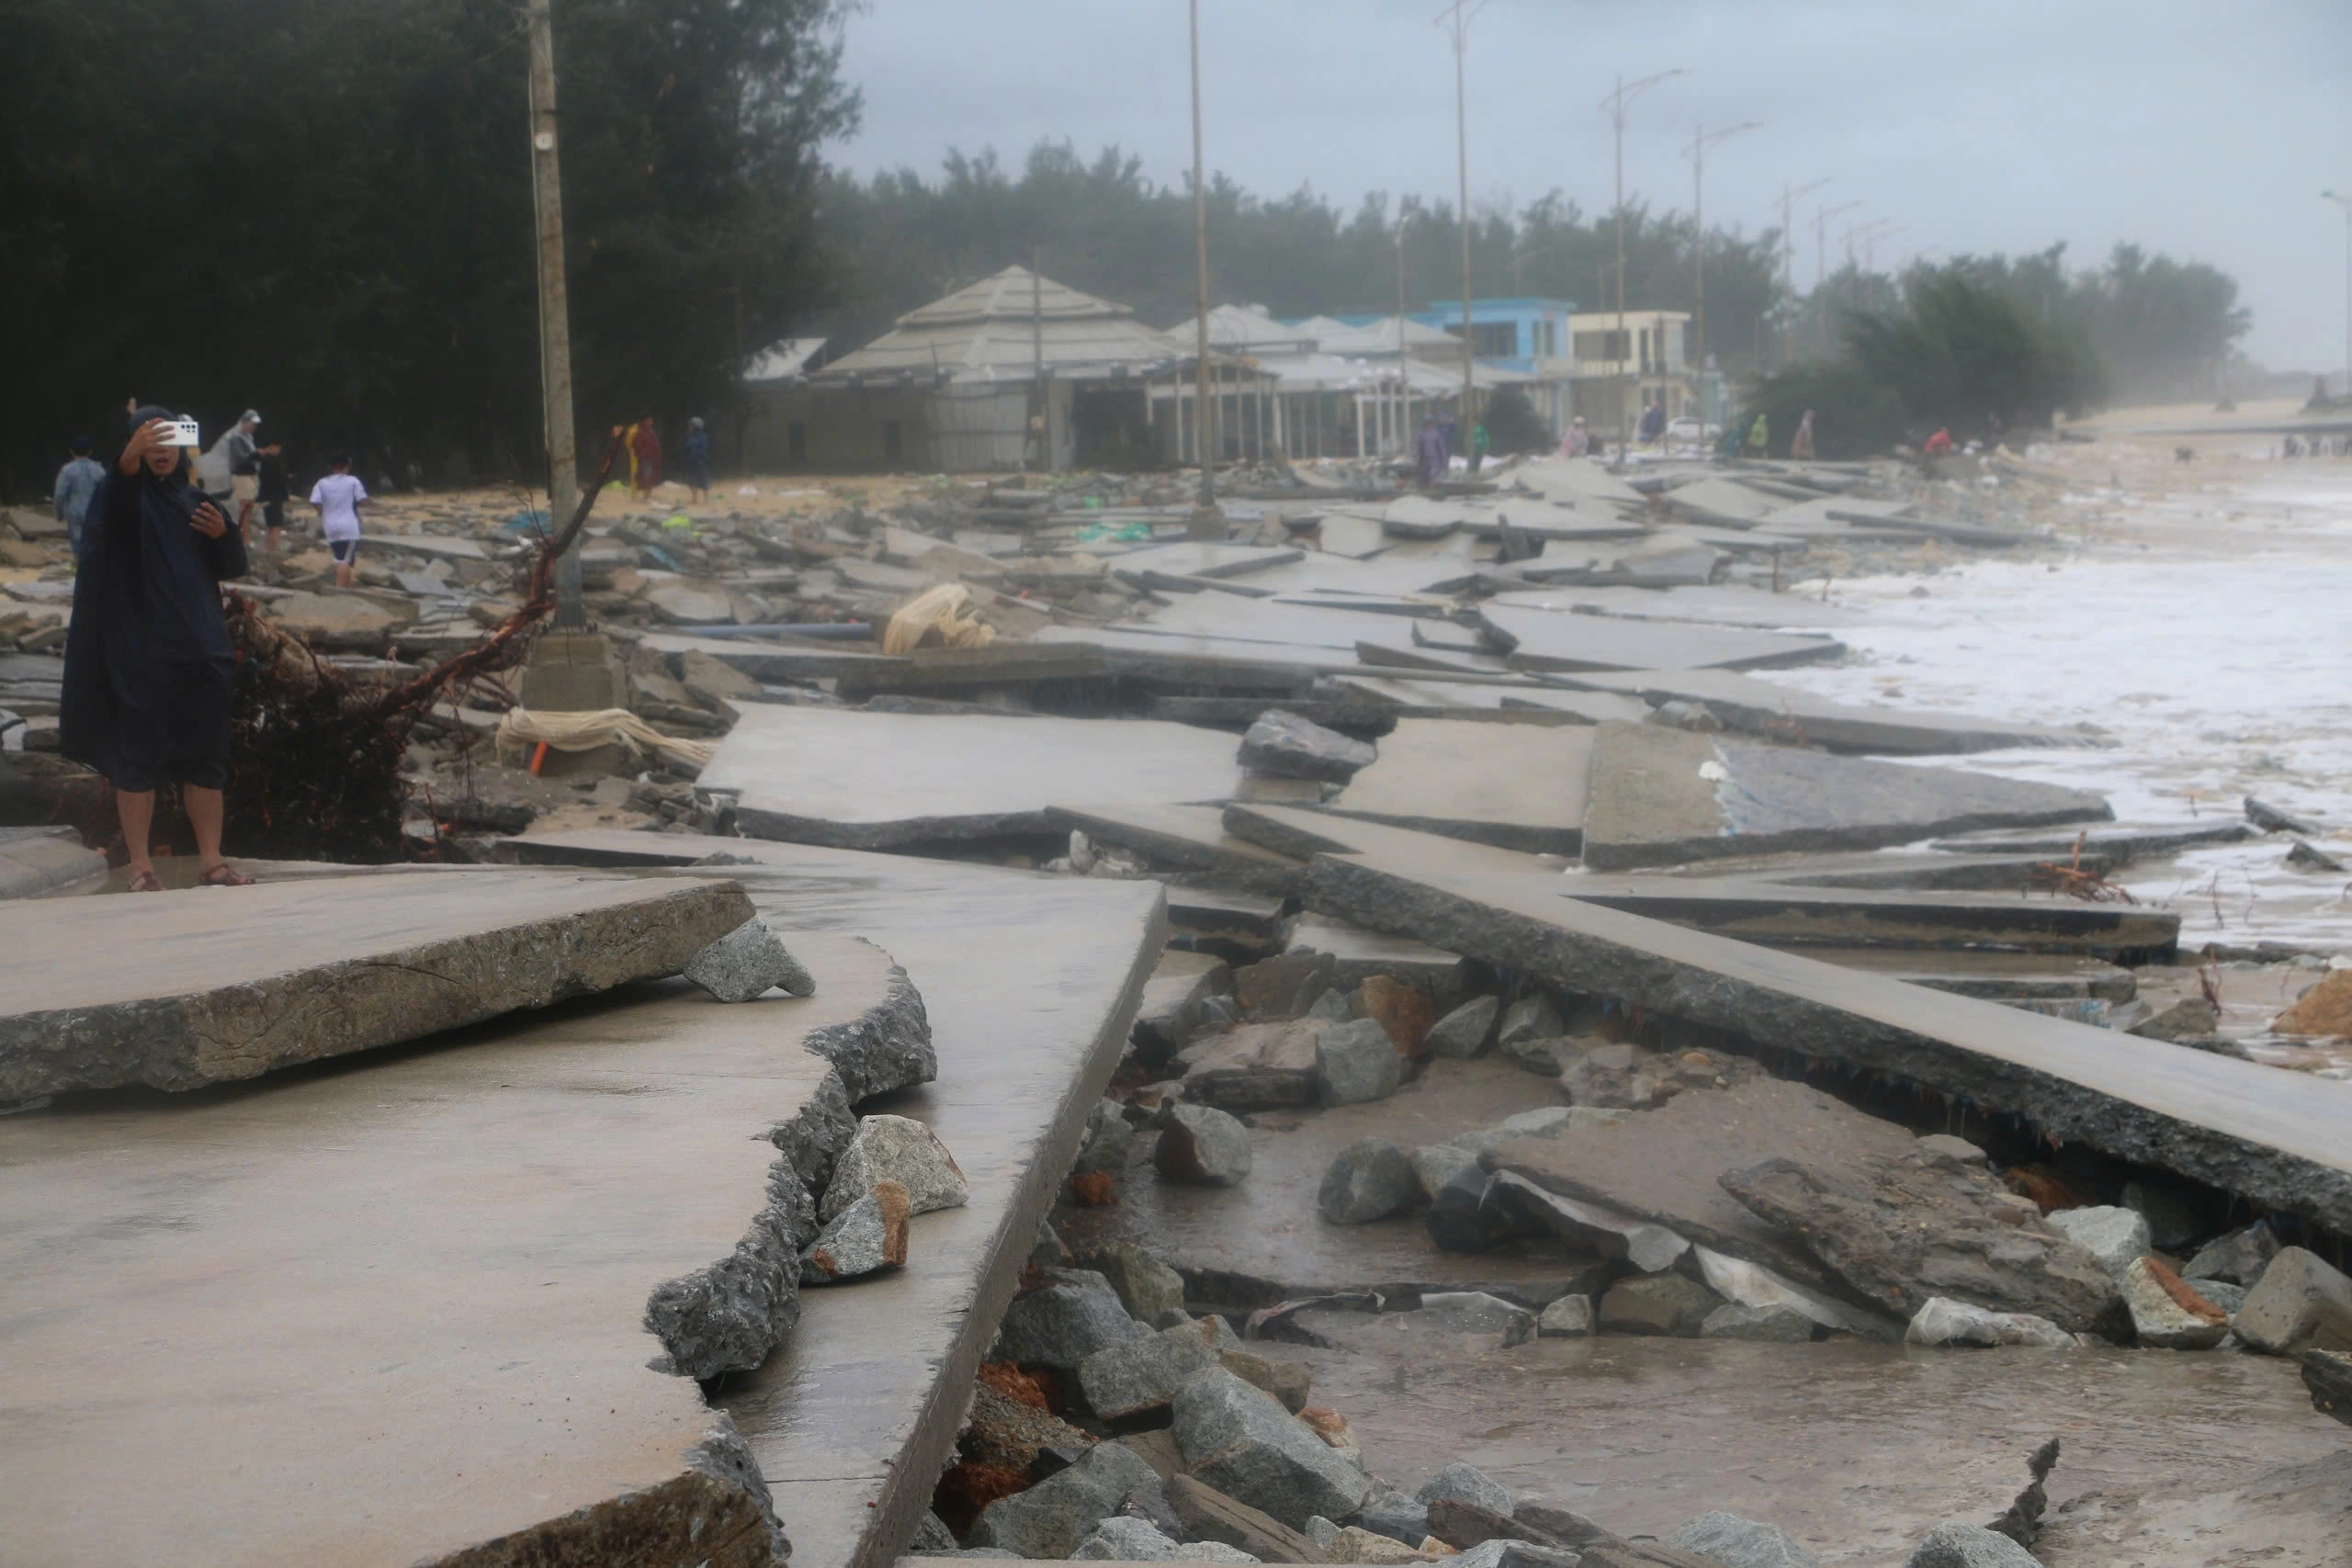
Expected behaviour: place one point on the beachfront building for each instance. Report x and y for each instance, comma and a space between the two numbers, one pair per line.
1617, 373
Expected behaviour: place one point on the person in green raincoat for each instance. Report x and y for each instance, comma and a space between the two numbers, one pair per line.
1760, 436
1480, 445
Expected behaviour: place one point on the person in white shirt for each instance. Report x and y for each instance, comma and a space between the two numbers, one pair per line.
339, 495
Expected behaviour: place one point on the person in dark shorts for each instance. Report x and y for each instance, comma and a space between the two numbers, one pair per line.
271, 462
339, 495
148, 661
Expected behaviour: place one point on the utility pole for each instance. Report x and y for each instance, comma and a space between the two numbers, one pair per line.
1207, 522
1037, 363
1872, 233
1400, 422
1613, 106
1821, 217
555, 314
1789, 260
2346, 202
1700, 139
1459, 15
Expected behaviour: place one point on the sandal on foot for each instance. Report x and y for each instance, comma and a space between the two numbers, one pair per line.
224, 876
145, 882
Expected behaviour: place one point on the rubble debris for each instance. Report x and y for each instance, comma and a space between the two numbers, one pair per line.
1740, 1543
342, 955
1242, 1442
1958, 1544
2302, 854
1051, 1518
1202, 1146
1127, 1379
2270, 819
2166, 1313
1288, 747
2113, 1235
1256, 1066
1666, 1304
864, 1236
900, 1149
2325, 1009
2300, 1304
1108, 1139
1399, 1516
1459, 1483
1145, 1287
1940, 1320
1285, 985
1067, 1318
1463, 1032
1211, 1514
2328, 1374
1371, 1179
2190, 1021
38, 861
1532, 1017
2021, 1520
886, 1047
1403, 1012
1614, 1076
1355, 1062
2239, 1257
1765, 1324
748, 963
1904, 1228
1286, 1380
1567, 1317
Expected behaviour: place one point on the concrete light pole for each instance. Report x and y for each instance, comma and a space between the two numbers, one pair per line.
2346, 202
1700, 139
1789, 261
1613, 106
1821, 217
1458, 15
555, 315
1207, 522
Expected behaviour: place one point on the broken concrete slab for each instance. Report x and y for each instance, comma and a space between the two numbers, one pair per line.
35, 863
1256, 1066
1665, 796
1286, 746
1722, 604
1991, 976
180, 990
1194, 558
1541, 639
417, 1378
866, 780
2227, 1124
1358, 954
1515, 786
1304, 834
1190, 839
1268, 1244
1785, 714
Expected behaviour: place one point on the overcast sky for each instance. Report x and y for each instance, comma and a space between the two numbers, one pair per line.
2204, 129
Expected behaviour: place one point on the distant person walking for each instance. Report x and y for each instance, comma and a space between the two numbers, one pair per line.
339, 495
1801, 444
1480, 445
1577, 442
148, 661
1939, 445
78, 481
1429, 452
244, 471
1653, 427
644, 452
274, 496
1760, 436
697, 458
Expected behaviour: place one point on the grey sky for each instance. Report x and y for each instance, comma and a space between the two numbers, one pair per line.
2206, 129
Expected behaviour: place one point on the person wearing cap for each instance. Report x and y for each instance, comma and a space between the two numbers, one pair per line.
146, 696
70, 496
244, 471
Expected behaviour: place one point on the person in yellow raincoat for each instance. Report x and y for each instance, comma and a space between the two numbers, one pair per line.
1759, 435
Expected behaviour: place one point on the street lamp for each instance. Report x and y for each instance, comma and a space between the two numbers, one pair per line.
2346, 202
1821, 217
1458, 17
1613, 106
1207, 523
1789, 260
1702, 139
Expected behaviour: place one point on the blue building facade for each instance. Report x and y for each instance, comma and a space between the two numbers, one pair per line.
1529, 335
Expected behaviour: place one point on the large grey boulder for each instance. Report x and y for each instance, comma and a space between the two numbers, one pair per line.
2240, 1257
1957, 1544
1109, 1136
867, 1236
1201, 1147
1121, 1539
1765, 1324
1903, 1229
1941, 1320
2166, 1315
1290, 747
1529, 1017
1669, 1303
1741, 1543
900, 1149
1147, 1287
2113, 1234
1064, 1321
1370, 1179
1465, 1029
1460, 1482
1138, 1375
1566, 1317
748, 963
1396, 1515
1241, 1441
2300, 1304
1472, 1312
1051, 1518
1356, 1063
1434, 1165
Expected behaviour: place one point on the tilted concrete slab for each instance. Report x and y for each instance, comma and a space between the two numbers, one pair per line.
868, 780
773, 660
2232, 1125
1254, 1244
180, 989
1515, 786
1543, 639
1194, 558
1994, 976
1304, 834
1724, 604
1190, 839
1665, 796
391, 1309
1779, 914
1509, 704
35, 863
1783, 713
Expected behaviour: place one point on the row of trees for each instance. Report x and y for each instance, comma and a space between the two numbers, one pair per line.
323, 209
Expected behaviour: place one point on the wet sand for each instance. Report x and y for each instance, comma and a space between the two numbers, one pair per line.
2171, 1461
